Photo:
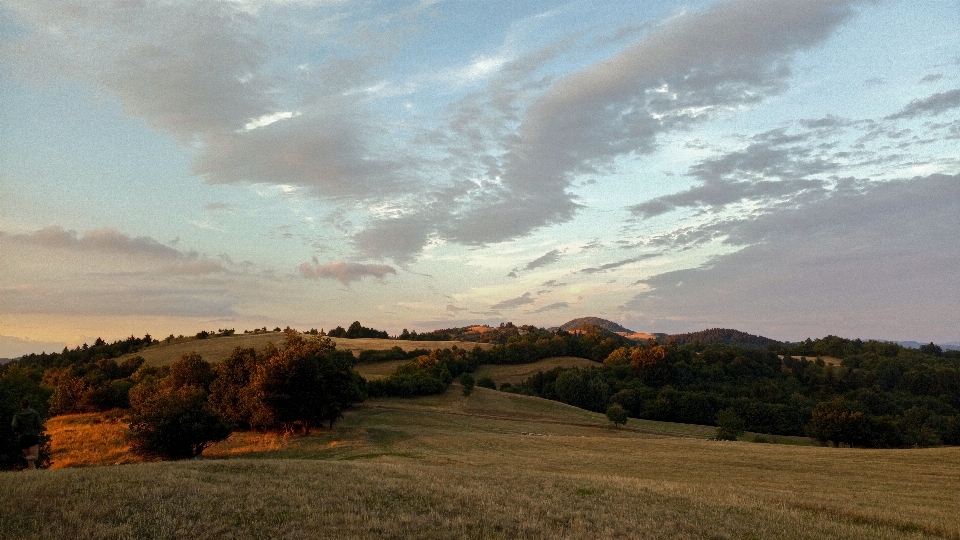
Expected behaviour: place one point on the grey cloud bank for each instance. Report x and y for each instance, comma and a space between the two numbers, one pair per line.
868, 260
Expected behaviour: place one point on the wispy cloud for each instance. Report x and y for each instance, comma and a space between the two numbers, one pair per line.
930, 105
546, 259
617, 264
521, 300
552, 307
344, 272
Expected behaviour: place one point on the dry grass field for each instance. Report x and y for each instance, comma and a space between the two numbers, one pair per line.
495, 465
217, 349
831, 360
516, 373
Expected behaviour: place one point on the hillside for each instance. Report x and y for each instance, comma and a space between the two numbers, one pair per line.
216, 349
495, 465
723, 335
575, 324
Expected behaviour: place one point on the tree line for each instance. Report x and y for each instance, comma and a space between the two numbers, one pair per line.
881, 395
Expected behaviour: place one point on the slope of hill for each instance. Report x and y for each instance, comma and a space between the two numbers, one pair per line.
216, 349
575, 324
495, 465
723, 335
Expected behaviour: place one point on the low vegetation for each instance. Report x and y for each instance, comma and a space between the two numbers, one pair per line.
497, 465
544, 435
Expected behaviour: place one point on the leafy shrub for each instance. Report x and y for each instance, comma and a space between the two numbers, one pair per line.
729, 425
617, 414
486, 382
173, 423
467, 382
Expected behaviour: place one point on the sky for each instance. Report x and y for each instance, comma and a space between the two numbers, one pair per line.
788, 169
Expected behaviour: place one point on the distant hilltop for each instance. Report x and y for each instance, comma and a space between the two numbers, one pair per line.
610, 326
713, 335
949, 346
575, 324
728, 336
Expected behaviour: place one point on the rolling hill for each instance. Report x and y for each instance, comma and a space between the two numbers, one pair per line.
575, 324
723, 335
216, 349
494, 465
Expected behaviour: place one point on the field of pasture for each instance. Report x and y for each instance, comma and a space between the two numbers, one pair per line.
217, 349
494, 465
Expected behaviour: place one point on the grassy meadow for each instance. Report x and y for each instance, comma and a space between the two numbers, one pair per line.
493, 465
517, 373
217, 349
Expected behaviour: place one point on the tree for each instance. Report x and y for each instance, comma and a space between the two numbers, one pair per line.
355, 330
467, 382
304, 383
617, 414
839, 421
486, 382
729, 425
173, 423
230, 393
191, 370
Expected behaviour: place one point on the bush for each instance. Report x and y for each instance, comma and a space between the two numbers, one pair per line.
173, 423
486, 382
729, 425
467, 382
617, 414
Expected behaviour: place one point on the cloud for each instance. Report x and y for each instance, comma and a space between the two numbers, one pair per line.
787, 166
513, 302
719, 193
14, 347
930, 105
207, 73
502, 164
552, 307
105, 272
547, 258
218, 207
116, 295
188, 68
687, 70
867, 261
618, 264
345, 272
111, 242
324, 151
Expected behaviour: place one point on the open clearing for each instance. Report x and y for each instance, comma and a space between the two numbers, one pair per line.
517, 373
495, 465
217, 349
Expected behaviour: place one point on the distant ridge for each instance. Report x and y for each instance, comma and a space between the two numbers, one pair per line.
575, 324
950, 346
723, 335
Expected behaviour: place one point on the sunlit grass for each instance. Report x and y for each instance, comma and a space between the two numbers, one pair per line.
88, 439
495, 465
217, 349
516, 373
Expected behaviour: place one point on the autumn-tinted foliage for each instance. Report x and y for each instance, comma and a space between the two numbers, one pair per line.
173, 422
302, 384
